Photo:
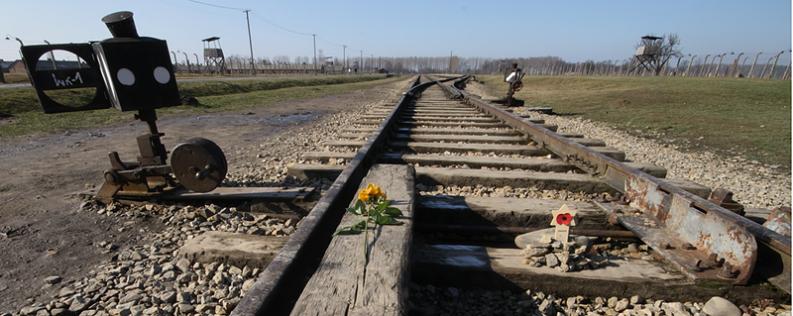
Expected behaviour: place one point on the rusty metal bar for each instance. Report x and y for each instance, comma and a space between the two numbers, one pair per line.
701, 236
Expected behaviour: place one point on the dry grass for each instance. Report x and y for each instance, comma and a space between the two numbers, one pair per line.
736, 116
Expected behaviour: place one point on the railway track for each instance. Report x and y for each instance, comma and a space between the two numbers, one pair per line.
469, 176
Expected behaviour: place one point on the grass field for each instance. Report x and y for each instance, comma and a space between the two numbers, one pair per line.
213, 96
740, 116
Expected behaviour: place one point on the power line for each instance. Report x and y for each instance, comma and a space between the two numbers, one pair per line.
217, 5
329, 42
247, 21
265, 20
276, 25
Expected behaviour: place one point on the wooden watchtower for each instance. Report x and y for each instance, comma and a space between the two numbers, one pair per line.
647, 52
214, 59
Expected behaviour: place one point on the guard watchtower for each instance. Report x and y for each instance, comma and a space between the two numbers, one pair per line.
213, 55
647, 52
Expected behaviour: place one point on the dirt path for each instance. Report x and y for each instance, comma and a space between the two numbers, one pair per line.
42, 233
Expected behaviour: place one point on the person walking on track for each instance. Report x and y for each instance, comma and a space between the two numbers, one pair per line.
513, 79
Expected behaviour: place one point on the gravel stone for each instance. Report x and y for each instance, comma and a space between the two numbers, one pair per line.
721, 307
621, 305
53, 279
551, 260
183, 265
612, 301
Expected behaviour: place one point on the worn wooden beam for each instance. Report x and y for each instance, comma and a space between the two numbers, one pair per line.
348, 282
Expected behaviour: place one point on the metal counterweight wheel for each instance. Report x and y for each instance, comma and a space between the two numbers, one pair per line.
199, 164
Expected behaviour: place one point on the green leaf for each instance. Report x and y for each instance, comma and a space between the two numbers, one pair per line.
354, 229
393, 211
353, 210
348, 230
385, 220
361, 225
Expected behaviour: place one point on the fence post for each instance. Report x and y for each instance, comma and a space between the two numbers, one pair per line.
776, 59
735, 64
751, 70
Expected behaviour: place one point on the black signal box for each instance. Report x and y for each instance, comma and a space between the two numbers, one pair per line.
129, 72
137, 73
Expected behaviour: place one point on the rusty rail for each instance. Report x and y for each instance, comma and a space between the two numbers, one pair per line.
702, 239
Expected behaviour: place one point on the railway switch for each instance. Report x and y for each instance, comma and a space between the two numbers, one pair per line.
129, 73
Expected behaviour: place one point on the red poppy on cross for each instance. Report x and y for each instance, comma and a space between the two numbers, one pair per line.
562, 219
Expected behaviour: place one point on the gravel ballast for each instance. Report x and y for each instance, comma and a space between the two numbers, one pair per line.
754, 184
151, 278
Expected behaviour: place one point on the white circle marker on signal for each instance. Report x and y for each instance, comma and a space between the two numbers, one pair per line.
125, 77
162, 75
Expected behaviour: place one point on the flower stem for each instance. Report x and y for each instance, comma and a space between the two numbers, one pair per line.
365, 242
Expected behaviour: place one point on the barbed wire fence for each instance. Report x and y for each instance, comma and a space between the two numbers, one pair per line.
760, 65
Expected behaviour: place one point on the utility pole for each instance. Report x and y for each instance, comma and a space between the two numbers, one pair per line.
361, 65
345, 57
315, 52
451, 54
250, 41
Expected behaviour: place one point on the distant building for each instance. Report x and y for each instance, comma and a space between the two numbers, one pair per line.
17, 66
12, 67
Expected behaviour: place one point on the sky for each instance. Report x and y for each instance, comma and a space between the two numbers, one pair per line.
575, 30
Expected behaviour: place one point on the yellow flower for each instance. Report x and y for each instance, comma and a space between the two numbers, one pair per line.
372, 191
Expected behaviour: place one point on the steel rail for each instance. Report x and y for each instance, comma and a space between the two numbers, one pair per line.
692, 233
278, 286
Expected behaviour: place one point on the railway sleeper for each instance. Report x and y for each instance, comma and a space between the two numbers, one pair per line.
504, 211
473, 177
425, 130
432, 112
429, 147
461, 138
351, 282
496, 268
426, 147
453, 124
529, 163
434, 116
515, 178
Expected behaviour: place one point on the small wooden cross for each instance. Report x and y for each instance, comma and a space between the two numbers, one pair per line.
561, 220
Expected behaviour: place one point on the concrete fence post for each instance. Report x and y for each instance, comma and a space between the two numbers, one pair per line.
751, 70
773, 67
690, 62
